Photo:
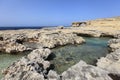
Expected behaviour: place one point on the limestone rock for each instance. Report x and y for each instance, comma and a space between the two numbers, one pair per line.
89, 33
41, 53
57, 39
22, 41
114, 44
35, 67
31, 67
111, 62
15, 47
52, 75
82, 71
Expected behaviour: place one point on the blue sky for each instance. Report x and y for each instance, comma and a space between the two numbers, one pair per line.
54, 12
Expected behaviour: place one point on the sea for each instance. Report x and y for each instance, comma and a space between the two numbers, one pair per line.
30, 27
17, 28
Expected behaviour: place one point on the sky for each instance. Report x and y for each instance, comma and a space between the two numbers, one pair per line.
55, 12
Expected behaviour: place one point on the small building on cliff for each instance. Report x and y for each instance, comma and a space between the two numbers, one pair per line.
78, 24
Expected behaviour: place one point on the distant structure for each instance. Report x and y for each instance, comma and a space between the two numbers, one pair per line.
78, 24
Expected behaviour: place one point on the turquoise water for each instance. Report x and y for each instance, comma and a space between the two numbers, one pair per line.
7, 59
67, 56
89, 52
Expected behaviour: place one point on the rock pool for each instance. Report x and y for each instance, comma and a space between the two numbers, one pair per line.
66, 56
69, 55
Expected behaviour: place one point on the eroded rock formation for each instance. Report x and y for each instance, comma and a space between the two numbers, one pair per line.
83, 71
21, 42
111, 62
36, 67
32, 67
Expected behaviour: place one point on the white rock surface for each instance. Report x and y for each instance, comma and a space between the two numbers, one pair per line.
83, 71
111, 62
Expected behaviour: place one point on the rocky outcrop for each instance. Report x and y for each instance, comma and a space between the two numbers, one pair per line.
78, 24
58, 39
89, 33
22, 42
32, 67
111, 62
13, 43
36, 67
114, 44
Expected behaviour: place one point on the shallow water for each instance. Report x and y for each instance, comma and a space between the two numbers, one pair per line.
89, 52
67, 56
7, 59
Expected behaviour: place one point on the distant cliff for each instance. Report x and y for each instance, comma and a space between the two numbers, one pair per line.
105, 22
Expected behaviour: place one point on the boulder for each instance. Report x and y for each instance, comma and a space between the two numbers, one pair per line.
39, 53
83, 71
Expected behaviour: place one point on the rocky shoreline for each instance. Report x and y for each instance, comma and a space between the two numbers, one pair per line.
14, 43
36, 65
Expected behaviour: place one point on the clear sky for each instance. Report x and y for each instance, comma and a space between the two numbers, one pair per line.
54, 12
